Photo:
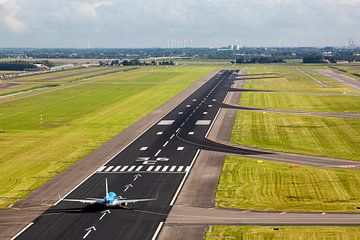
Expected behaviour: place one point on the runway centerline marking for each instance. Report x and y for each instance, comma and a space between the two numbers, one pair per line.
157, 153
165, 143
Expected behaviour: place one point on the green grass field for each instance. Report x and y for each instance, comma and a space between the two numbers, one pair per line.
310, 135
290, 79
76, 121
264, 185
306, 102
284, 233
66, 75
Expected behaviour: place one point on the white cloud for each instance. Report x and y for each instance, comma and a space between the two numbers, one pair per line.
90, 9
9, 11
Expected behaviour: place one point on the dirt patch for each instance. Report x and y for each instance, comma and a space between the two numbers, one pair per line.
4, 86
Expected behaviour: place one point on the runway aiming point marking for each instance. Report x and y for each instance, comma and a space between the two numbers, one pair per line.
166, 122
203, 122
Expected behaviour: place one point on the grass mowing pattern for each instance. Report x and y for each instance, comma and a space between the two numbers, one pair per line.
292, 80
306, 102
310, 135
284, 233
265, 185
77, 120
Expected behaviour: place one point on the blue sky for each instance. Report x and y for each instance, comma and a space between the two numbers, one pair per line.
158, 23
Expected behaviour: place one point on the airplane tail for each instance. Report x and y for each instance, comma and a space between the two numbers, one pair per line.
107, 188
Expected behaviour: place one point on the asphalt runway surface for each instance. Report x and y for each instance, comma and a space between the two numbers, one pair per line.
157, 162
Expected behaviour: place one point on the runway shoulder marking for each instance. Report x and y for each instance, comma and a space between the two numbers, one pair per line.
166, 122
152, 168
203, 122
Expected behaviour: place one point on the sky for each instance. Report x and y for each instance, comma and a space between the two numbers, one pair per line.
171, 23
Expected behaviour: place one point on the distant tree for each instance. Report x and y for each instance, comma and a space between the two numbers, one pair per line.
314, 58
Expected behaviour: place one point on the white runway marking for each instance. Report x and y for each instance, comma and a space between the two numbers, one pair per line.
100, 169
165, 144
109, 168
124, 168
116, 169
203, 122
172, 136
157, 153
180, 148
152, 168
210, 106
214, 100
191, 133
131, 168
205, 113
143, 149
166, 122
159, 133
181, 113
188, 106
194, 100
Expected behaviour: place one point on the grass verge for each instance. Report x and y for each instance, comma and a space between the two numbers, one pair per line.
310, 135
264, 185
284, 233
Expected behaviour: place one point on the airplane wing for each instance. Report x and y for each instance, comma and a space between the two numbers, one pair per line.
137, 200
85, 201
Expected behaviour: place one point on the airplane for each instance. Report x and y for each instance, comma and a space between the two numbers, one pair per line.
110, 199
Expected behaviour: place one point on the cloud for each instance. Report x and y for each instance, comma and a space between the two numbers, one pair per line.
70, 23
9, 10
90, 9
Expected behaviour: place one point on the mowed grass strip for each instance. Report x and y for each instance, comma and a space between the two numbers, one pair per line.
264, 185
76, 121
284, 233
306, 102
310, 135
290, 79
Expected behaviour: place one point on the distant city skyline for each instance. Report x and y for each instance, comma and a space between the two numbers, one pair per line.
186, 23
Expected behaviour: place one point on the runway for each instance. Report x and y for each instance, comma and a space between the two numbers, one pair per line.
157, 162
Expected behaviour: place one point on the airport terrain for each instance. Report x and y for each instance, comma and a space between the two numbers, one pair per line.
190, 142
